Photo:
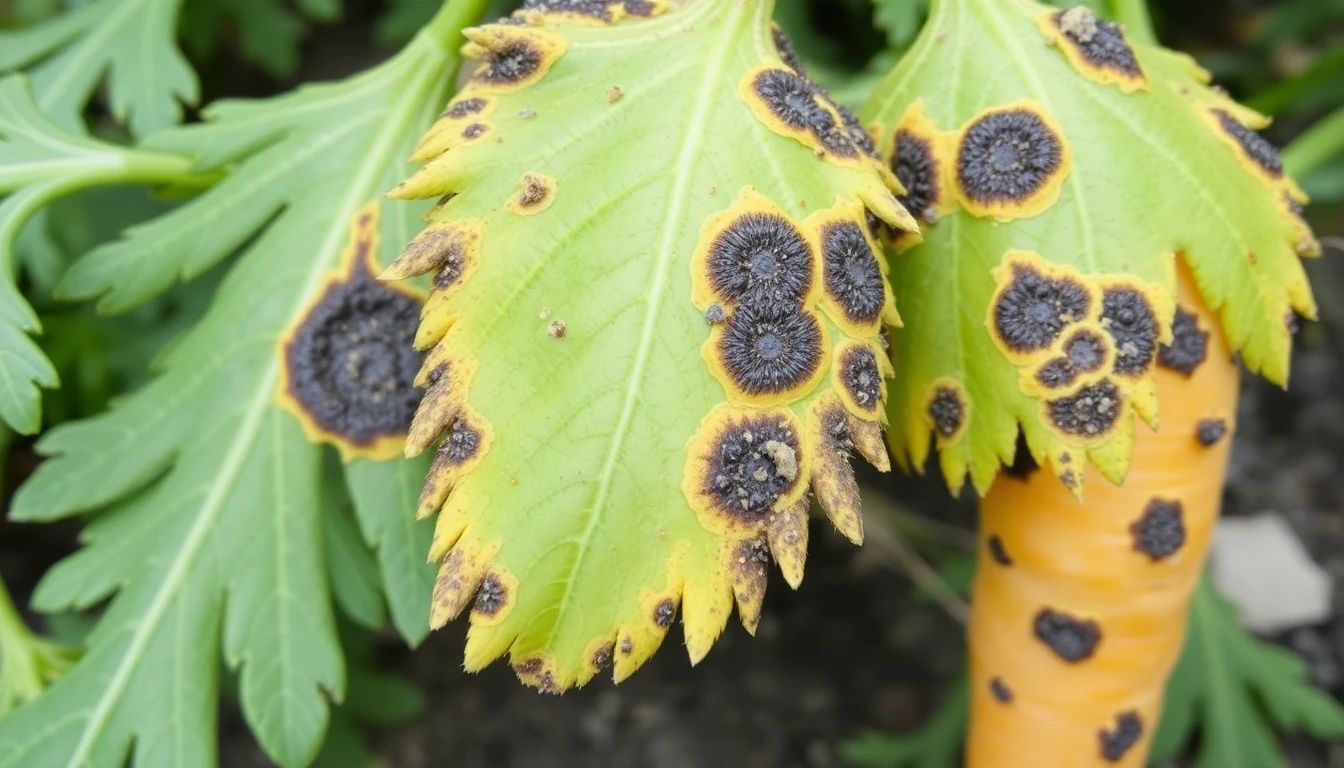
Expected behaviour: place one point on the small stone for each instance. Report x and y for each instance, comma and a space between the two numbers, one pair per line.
1261, 566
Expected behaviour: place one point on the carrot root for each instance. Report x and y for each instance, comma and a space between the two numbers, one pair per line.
1079, 608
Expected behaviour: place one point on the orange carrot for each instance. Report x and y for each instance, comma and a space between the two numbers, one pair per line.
1079, 608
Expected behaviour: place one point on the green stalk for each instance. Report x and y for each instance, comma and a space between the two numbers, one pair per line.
1133, 14
1321, 142
1282, 96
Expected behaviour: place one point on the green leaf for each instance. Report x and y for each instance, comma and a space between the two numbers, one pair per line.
131, 43
572, 372
351, 567
383, 493
1144, 168
1235, 691
210, 538
28, 663
40, 162
937, 744
899, 19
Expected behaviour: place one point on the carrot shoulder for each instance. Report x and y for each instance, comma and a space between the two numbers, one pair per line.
1079, 608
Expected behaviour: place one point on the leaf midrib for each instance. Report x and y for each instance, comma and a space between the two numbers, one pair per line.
709, 87
360, 190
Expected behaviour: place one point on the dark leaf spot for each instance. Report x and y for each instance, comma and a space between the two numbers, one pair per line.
770, 351
1006, 156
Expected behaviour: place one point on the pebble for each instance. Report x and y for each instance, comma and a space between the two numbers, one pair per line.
1261, 566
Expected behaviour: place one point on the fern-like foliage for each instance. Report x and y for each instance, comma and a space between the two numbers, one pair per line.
654, 327
1059, 169
131, 44
1235, 691
210, 529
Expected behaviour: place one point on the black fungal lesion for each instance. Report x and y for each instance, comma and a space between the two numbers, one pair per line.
1117, 740
749, 462
1071, 639
947, 409
461, 109
851, 275
1159, 532
536, 672
1032, 309
1254, 148
787, 53
601, 657
997, 551
860, 377
664, 613
1099, 45
512, 55
769, 352
535, 193
803, 109
493, 598
599, 10
919, 169
475, 131
1092, 412
516, 61
761, 259
1210, 431
1189, 344
350, 361
460, 446
1008, 158
1084, 352
1128, 315
1000, 690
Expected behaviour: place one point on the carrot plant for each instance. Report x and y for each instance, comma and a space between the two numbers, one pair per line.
630, 288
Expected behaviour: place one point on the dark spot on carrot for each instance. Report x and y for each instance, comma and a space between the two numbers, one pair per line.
1252, 144
1006, 156
1093, 411
1116, 741
850, 272
1071, 639
1160, 532
917, 168
1210, 431
1189, 344
1128, 317
1033, 309
768, 351
997, 551
1000, 690
761, 259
